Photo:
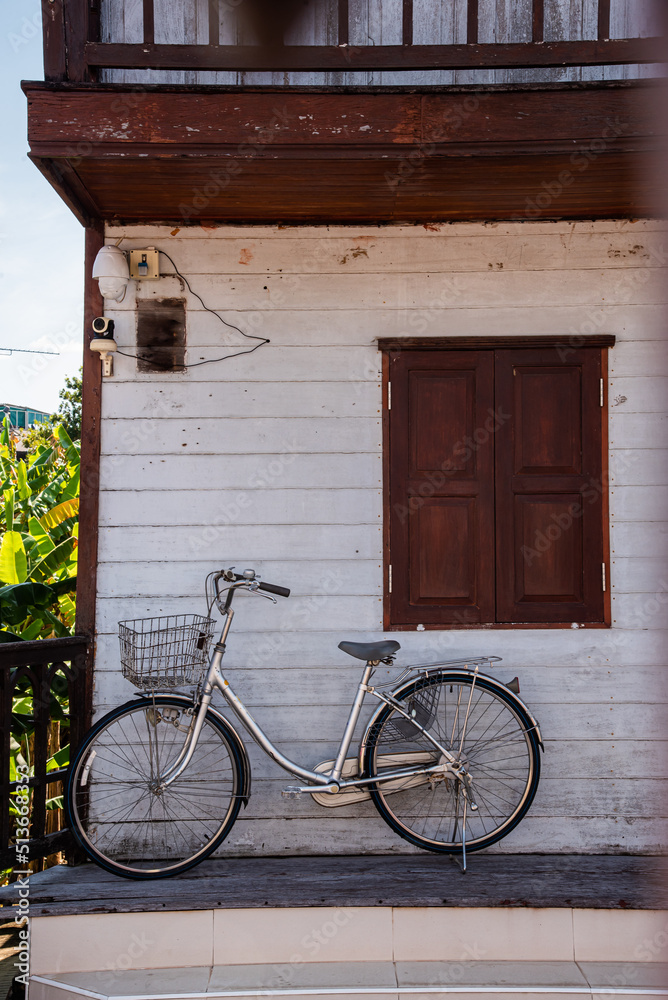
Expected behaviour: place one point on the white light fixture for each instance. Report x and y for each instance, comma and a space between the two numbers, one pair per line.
112, 271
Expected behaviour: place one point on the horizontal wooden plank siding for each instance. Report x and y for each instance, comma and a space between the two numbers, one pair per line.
274, 460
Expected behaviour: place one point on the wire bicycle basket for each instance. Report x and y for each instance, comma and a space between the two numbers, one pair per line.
170, 651
422, 706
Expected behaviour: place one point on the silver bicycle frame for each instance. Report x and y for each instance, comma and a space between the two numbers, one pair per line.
322, 781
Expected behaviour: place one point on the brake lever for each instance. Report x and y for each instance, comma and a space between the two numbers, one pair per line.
254, 590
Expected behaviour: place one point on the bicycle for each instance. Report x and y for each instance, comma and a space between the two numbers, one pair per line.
450, 757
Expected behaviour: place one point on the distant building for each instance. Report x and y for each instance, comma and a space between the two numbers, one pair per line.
23, 418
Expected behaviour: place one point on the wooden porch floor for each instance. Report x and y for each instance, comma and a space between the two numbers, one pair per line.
548, 880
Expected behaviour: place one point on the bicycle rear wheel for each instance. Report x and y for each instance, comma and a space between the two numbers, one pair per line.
482, 726
122, 820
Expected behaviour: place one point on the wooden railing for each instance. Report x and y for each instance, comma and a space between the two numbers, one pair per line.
39, 671
73, 50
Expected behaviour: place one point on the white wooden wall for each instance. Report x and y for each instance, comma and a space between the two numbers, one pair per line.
378, 22
273, 461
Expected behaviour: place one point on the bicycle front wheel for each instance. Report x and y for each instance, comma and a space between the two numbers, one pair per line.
482, 727
117, 810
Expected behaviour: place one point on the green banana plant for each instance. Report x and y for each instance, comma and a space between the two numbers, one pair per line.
39, 537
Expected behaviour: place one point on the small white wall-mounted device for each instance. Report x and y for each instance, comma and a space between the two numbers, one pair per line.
145, 263
103, 343
111, 270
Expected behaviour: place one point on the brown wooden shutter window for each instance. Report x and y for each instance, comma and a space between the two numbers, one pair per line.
495, 486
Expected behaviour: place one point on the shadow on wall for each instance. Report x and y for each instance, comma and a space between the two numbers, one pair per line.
267, 22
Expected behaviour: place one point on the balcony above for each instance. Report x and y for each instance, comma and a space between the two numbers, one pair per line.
166, 111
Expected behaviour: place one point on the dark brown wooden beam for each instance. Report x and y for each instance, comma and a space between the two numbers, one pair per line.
375, 57
86, 120
603, 19
76, 39
53, 32
214, 22
344, 30
407, 23
90, 462
537, 21
462, 343
472, 22
149, 26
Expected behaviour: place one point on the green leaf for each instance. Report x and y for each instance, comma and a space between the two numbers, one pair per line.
68, 609
42, 537
55, 560
22, 481
33, 630
13, 563
18, 601
60, 513
59, 759
71, 450
6, 636
61, 630
55, 803
71, 489
9, 508
22, 706
66, 586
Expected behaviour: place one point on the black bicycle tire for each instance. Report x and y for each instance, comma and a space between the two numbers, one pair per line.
531, 787
77, 828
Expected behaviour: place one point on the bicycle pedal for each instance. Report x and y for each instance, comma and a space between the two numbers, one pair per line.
291, 792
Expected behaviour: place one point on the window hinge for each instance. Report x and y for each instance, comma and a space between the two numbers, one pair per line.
601, 391
389, 579
603, 580
389, 395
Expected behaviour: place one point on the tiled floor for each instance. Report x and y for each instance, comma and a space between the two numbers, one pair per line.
380, 980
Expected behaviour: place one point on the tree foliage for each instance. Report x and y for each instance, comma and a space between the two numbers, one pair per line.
69, 415
39, 531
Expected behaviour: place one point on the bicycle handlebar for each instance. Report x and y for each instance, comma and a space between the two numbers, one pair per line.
271, 588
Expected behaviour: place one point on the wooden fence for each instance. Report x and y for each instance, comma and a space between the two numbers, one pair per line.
40, 670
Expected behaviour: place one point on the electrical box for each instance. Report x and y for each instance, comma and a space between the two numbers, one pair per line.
145, 263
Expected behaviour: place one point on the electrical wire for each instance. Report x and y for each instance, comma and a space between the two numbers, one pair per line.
208, 361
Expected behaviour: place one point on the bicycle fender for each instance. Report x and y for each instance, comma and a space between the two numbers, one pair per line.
455, 675
234, 737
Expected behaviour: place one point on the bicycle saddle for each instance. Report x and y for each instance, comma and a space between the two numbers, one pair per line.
370, 650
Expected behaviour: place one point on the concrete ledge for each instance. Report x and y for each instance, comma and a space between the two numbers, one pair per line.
293, 938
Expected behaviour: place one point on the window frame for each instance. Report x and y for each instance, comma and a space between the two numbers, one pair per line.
389, 347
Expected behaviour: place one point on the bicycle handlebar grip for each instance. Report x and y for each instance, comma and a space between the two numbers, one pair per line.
273, 589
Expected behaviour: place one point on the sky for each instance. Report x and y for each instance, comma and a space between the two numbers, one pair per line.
41, 242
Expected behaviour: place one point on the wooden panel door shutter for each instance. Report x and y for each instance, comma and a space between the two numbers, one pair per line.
442, 487
549, 487
495, 487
